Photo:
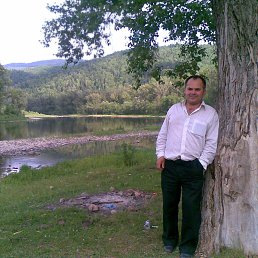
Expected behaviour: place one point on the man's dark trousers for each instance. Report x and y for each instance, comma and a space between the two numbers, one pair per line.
185, 176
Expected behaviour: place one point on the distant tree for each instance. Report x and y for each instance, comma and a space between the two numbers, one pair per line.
230, 215
4, 77
4, 82
15, 101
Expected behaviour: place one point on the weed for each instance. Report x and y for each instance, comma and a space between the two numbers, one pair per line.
129, 153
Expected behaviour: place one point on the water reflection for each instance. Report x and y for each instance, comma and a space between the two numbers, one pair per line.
67, 126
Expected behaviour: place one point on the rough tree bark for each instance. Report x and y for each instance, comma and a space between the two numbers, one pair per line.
230, 206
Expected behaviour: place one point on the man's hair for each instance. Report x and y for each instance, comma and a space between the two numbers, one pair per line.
196, 77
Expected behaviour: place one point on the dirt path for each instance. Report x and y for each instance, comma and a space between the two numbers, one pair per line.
26, 146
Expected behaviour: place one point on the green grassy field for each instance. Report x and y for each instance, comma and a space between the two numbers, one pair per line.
29, 229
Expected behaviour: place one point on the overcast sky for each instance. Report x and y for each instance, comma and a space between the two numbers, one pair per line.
20, 31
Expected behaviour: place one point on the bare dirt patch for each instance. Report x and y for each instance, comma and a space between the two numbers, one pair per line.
107, 203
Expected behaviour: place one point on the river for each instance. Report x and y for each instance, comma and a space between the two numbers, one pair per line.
69, 127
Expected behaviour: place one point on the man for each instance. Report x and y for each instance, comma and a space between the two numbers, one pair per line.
186, 144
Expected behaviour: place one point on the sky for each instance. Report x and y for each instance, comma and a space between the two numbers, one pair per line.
21, 30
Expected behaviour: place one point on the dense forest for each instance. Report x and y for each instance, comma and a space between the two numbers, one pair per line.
101, 86
11, 98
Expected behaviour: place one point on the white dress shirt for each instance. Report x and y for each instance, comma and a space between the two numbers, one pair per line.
189, 136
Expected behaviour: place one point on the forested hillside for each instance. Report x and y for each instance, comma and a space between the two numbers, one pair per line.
20, 66
103, 86
11, 99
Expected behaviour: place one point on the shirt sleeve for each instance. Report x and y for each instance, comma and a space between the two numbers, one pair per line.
162, 139
209, 150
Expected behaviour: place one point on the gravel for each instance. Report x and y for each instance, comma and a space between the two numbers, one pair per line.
30, 146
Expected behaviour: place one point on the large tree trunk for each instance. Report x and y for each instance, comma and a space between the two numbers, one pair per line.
230, 206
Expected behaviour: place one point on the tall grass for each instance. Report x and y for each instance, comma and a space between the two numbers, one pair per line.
32, 226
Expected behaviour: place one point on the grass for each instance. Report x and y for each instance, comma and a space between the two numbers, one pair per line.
123, 130
29, 229
32, 114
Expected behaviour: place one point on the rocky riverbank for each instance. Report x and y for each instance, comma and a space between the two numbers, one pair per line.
32, 146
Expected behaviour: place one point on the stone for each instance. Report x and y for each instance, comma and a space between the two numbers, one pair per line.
93, 207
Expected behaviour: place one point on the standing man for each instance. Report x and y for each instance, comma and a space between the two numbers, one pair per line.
186, 144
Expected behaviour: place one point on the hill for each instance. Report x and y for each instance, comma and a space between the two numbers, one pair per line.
21, 66
100, 86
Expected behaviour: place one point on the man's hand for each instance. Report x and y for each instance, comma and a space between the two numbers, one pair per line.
160, 164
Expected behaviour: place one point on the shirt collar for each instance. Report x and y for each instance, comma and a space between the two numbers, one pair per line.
202, 104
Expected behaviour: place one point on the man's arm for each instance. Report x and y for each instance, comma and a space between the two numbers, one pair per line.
209, 150
162, 139
161, 145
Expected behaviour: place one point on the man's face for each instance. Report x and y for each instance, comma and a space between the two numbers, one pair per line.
194, 91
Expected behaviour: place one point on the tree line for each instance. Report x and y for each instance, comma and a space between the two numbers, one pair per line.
11, 99
102, 86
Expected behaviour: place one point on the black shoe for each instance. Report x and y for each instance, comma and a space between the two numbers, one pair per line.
168, 248
184, 255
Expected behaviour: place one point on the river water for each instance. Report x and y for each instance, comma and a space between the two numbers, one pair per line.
67, 127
